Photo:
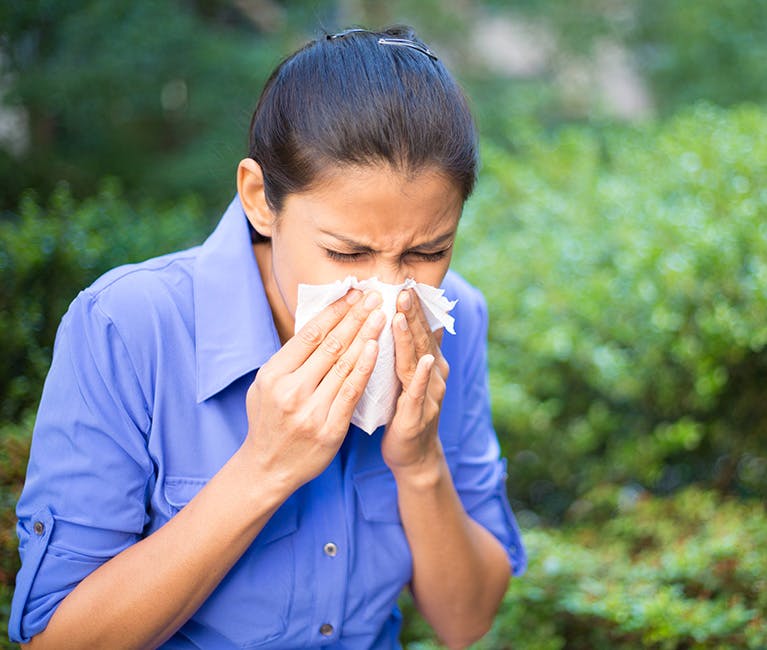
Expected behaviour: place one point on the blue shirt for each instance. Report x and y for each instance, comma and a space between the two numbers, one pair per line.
145, 401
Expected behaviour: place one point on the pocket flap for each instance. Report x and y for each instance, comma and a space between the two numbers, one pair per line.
377, 494
181, 490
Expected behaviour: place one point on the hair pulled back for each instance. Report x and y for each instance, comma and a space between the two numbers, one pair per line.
349, 100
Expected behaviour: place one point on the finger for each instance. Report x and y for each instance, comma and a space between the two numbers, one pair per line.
334, 378
425, 340
419, 327
358, 321
413, 397
405, 357
353, 386
308, 338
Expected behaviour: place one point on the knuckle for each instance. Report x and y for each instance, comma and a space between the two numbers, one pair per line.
342, 367
423, 342
332, 345
286, 397
360, 313
311, 334
364, 367
349, 392
339, 308
314, 420
265, 374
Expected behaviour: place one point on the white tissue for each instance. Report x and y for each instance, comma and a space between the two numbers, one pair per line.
377, 404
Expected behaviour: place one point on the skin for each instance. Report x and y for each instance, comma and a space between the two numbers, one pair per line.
299, 408
377, 221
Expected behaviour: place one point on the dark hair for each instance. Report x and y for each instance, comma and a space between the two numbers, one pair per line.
347, 99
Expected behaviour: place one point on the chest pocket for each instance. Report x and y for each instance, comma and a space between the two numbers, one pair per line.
383, 556
251, 605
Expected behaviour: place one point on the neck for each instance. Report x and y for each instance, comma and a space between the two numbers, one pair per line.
283, 319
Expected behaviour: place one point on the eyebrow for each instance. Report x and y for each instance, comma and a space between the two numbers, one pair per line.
438, 241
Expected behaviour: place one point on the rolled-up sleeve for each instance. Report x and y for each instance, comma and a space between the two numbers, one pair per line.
479, 473
86, 487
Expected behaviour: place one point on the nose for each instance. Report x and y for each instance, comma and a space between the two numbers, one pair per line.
391, 273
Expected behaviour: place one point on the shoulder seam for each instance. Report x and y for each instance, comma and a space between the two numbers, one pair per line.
136, 267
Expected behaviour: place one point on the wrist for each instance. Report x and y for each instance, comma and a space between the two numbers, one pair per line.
424, 474
262, 488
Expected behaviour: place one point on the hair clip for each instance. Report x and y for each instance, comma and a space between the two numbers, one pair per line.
404, 42
353, 30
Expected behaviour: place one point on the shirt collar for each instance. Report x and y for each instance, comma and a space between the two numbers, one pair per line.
234, 328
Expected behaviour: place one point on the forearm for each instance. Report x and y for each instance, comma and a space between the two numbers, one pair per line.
142, 596
460, 570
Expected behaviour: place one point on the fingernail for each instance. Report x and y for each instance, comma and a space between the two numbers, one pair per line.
401, 322
353, 296
404, 300
373, 299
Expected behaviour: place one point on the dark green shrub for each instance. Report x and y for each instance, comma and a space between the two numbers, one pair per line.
633, 571
625, 271
158, 94
49, 253
14, 450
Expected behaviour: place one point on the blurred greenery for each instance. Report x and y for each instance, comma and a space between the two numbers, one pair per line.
48, 252
629, 333
636, 571
618, 232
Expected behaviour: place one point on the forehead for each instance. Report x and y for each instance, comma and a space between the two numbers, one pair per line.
378, 204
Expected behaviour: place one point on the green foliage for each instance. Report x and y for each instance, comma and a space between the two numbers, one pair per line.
702, 50
624, 267
625, 273
151, 92
48, 253
676, 573
14, 450
687, 51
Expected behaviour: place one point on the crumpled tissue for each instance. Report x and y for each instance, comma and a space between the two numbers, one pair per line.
377, 404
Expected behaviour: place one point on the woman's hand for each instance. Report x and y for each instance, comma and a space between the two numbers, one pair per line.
302, 400
411, 442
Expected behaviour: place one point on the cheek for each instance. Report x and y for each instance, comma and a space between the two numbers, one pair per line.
431, 274
292, 267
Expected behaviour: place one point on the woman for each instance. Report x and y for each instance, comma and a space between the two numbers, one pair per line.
194, 479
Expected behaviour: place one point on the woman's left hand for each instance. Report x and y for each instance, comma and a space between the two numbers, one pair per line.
411, 441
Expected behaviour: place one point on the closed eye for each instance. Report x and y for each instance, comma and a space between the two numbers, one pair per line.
355, 257
343, 257
430, 257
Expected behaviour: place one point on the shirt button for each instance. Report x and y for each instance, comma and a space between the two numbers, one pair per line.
39, 527
330, 549
326, 629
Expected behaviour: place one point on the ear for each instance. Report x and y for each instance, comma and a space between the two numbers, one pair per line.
250, 187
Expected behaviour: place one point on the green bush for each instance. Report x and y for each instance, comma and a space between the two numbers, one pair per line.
158, 94
14, 450
633, 571
49, 253
625, 271
686, 51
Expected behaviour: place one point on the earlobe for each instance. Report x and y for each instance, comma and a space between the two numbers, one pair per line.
250, 187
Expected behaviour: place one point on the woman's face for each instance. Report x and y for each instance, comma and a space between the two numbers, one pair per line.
364, 221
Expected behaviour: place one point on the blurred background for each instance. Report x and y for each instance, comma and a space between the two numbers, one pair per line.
618, 231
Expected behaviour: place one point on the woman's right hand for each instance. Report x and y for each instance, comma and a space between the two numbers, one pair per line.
302, 400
